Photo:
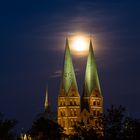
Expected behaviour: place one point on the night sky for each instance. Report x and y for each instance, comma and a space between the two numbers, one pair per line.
32, 39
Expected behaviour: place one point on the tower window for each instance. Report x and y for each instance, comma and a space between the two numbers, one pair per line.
94, 102
96, 122
63, 103
96, 95
94, 112
63, 123
98, 103
74, 112
62, 113
70, 102
71, 112
72, 122
98, 113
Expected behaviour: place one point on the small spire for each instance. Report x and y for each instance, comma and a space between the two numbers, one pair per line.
46, 105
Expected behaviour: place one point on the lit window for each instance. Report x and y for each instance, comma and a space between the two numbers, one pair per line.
94, 112
63, 123
71, 112
98, 103
74, 112
98, 113
70, 102
61, 113
96, 122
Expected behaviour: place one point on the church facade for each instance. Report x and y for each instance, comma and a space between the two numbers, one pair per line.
72, 107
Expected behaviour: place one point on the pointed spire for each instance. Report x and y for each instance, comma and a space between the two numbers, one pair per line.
68, 74
91, 75
46, 105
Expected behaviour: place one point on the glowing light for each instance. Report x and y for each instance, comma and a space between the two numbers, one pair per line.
79, 45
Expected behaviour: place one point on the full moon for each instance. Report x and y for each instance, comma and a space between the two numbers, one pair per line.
79, 45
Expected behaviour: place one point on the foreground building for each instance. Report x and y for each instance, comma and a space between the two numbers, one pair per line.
71, 107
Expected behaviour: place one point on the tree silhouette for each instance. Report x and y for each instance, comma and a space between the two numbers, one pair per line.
118, 126
44, 129
6, 128
86, 132
113, 125
131, 129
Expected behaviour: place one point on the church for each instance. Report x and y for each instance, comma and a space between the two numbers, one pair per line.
72, 107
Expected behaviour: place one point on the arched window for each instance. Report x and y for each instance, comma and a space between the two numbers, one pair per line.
63, 123
94, 112
98, 103
96, 122
70, 102
70, 124
94, 103
64, 113
74, 112
98, 113
71, 112
60, 103
61, 113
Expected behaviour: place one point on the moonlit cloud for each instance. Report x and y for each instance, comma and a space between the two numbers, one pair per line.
58, 73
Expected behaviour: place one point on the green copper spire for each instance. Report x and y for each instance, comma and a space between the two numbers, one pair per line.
91, 75
68, 75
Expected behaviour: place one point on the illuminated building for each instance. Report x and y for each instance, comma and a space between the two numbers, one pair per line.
72, 108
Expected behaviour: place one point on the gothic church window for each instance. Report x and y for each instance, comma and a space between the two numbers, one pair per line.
70, 102
71, 112
61, 114
63, 123
98, 103
94, 102
74, 112
96, 122
94, 112
71, 123
98, 113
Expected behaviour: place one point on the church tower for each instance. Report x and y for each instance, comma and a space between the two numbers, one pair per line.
68, 98
92, 100
47, 105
